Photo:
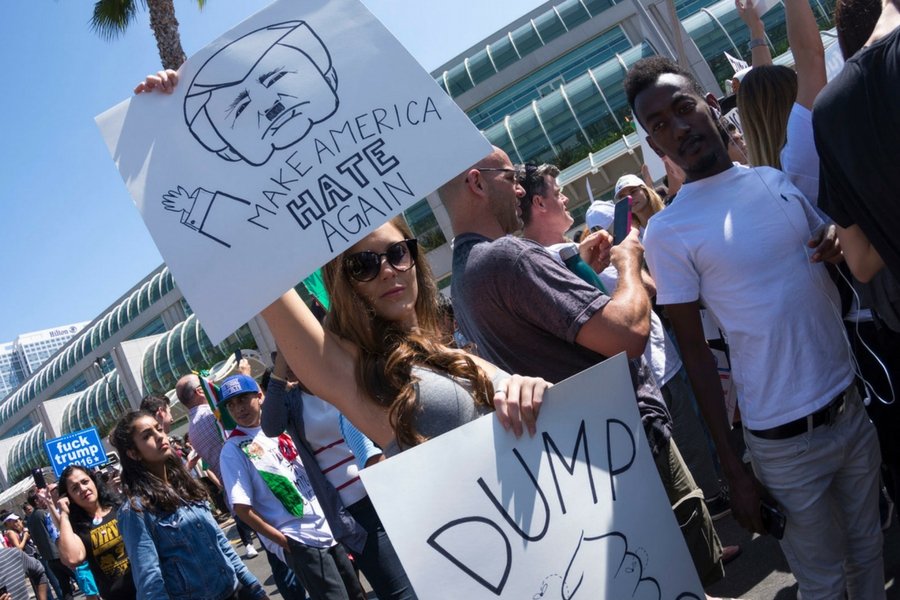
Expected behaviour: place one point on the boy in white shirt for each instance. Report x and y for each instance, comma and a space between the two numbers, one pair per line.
269, 489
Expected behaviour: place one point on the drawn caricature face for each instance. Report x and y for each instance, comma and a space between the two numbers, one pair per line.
274, 106
262, 92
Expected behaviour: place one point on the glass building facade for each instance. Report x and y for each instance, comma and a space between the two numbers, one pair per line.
184, 349
85, 342
12, 373
575, 105
181, 350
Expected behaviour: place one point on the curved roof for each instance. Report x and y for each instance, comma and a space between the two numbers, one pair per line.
87, 340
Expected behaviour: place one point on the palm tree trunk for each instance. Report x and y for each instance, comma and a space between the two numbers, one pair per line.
165, 29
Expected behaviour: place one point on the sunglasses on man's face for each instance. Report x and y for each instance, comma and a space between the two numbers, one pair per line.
366, 265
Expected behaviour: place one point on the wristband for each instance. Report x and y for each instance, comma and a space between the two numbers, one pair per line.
756, 42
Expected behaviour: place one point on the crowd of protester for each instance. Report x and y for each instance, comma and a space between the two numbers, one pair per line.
773, 229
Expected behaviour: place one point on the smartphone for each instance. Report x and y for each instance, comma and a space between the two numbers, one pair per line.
773, 519
3, 590
596, 228
622, 220
39, 479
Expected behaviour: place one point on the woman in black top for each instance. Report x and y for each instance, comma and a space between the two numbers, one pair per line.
88, 529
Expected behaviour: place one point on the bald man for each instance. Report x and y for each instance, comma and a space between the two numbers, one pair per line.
529, 314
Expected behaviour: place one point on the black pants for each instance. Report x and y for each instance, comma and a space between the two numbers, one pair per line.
886, 417
64, 575
326, 573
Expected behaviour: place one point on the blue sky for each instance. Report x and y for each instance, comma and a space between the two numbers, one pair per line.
73, 240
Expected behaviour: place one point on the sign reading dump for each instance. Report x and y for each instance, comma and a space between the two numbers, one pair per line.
577, 512
80, 448
286, 140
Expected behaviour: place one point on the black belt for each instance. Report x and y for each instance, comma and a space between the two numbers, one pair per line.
824, 416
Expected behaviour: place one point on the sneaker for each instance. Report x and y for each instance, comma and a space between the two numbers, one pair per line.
251, 552
718, 506
729, 553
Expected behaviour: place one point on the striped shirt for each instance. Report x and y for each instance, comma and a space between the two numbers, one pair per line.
15, 565
322, 430
205, 436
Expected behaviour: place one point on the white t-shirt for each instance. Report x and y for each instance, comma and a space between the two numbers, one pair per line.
660, 353
321, 425
799, 158
737, 242
244, 485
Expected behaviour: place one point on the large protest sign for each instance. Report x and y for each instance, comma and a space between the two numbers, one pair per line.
286, 140
576, 512
651, 158
80, 448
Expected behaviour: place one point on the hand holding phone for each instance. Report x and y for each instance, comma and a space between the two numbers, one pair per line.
622, 220
39, 481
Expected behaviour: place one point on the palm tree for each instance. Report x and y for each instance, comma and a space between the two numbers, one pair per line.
112, 17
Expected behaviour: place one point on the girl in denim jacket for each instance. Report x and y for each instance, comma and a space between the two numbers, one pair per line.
176, 549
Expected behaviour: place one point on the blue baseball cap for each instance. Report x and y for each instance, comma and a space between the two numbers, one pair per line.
235, 386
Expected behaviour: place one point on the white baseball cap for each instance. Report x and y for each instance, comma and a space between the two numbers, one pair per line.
600, 214
627, 181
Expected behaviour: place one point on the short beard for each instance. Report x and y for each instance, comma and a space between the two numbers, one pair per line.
704, 163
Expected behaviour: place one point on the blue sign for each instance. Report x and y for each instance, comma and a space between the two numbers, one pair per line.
80, 448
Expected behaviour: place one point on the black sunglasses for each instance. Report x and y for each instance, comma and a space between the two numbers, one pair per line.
366, 265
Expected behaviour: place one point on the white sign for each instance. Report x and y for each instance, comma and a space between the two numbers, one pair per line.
576, 512
651, 158
738, 64
286, 140
763, 6
734, 117
834, 61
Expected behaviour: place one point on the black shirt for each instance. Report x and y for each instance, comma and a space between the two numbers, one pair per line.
856, 120
106, 556
37, 527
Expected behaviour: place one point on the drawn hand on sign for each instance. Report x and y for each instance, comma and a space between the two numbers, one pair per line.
180, 200
212, 213
287, 85
624, 573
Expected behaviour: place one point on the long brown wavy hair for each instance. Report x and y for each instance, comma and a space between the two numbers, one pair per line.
144, 490
653, 200
387, 352
764, 102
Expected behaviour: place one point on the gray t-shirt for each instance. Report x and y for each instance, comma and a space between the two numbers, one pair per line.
443, 404
523, 310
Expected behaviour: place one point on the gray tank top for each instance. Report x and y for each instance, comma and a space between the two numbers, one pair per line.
443, 404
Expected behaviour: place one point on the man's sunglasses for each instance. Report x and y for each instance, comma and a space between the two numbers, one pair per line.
366, 265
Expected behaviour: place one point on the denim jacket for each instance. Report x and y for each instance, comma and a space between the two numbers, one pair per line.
182, 555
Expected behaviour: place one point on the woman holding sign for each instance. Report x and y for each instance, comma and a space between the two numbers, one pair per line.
380, 362
380, 359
